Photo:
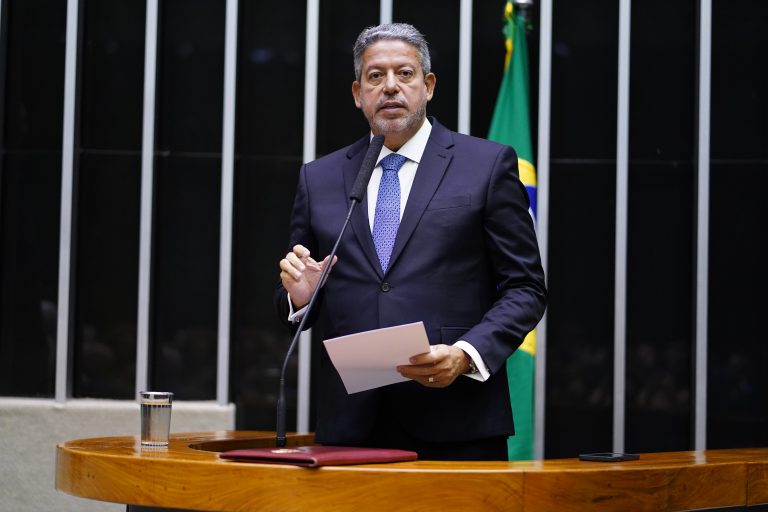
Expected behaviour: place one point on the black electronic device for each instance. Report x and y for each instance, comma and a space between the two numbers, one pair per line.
608, 457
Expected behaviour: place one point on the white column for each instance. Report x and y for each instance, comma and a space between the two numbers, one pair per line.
465, 65
309, 154
147, 186
702, 228
622, 181
542, 213
385, 11
61, 391
227, 202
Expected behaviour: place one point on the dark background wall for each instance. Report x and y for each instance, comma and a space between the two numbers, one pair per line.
269, 126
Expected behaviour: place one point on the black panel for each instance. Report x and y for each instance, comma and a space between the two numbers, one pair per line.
29, 210
579, 394
34, 89
186, 276
187, 198
106, 232
663, 80
739, 80
737, 384
584, 79
339, 122
265, 189
32, 69
112, 74
660, 266
487, 63
660, 261
190, 74
269, 145
106, 279
270, 78
442, 34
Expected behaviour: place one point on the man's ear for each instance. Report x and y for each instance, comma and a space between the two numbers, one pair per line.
430, 80
356, 93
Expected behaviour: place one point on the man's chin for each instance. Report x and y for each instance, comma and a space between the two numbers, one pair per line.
388, 126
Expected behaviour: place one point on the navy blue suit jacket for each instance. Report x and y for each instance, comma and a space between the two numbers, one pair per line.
465, 262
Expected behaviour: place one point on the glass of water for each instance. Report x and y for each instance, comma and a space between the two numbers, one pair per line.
155, 417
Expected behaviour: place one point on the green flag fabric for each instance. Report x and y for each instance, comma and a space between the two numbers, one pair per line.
511, 125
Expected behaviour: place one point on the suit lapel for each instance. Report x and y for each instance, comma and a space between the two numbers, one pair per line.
437, 155
359, 221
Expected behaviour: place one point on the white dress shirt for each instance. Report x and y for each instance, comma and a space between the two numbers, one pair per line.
413, 149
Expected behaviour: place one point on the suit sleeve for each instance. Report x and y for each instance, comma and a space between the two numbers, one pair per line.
300, 233
516, 265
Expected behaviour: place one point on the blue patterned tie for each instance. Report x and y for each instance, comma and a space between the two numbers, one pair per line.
387, 218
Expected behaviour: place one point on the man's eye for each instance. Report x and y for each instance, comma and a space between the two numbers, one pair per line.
374, 76
406, 73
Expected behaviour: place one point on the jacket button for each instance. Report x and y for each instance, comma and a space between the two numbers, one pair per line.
385, 287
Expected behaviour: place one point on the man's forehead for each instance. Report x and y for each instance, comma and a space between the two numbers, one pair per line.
390, 49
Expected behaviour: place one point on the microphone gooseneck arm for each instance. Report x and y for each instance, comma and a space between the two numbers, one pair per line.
356, 195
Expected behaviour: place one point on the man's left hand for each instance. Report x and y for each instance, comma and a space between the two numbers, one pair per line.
437, 368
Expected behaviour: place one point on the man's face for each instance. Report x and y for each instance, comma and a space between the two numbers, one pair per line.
393, 91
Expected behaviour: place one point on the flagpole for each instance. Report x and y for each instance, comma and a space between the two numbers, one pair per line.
522, 6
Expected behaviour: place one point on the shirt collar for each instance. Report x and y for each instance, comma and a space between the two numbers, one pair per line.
413, 149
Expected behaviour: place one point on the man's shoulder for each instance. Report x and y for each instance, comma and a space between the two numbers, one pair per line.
474, 141
462, 141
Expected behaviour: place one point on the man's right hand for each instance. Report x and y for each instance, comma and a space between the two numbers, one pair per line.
299, 273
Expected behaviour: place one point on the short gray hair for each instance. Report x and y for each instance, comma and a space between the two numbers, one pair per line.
391, 31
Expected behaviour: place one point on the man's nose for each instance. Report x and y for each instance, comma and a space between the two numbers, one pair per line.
390, 82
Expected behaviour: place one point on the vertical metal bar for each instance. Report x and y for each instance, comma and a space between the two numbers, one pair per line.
227, 202
385, 11
67, 188
702, 228
3, 71
622, 182
542, 213
465, 65
309, 154
147, 187
3, 75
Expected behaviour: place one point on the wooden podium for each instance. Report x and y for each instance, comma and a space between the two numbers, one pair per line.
189, 475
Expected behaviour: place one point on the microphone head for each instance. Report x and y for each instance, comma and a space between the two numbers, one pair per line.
366, 168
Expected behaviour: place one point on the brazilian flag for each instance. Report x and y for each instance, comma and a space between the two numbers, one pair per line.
511, 125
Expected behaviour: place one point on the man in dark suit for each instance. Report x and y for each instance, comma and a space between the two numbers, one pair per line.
444, 236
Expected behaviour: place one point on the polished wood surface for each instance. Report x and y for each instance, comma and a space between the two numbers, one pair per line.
189, 475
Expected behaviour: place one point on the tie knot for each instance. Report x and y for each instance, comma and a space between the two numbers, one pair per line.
393, 162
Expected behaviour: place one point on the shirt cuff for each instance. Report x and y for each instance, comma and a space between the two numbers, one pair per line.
295, 316
483, 373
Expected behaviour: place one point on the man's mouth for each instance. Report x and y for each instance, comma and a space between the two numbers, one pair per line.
391, 105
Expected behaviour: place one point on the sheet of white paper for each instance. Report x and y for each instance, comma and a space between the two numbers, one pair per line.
367, 360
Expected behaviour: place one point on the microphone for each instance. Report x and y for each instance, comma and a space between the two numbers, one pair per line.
355, 196
366, 169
